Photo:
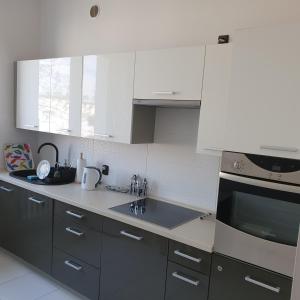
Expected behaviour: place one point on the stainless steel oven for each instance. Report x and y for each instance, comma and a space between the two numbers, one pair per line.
258, 210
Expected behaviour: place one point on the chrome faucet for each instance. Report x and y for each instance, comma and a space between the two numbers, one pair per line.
138, 186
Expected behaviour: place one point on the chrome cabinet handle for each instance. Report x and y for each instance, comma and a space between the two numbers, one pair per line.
131, 236
164, 93
279, 148
3, 188
74, 231
64, 130
78, 216
31, 126
195, 259
73, 265
263, 285
32, 199
103, 135
185, 279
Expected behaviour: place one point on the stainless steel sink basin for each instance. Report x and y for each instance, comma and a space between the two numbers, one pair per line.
62, 176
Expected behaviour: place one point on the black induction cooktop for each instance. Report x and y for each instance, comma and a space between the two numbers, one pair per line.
158, 212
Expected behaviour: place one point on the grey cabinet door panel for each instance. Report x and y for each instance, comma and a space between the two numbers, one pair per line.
78, 241
76, 274
183, 283
190, 257
132, 266
26, 219
78, 215
235, 280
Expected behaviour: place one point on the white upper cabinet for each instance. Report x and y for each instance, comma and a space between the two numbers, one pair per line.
49, 95
66, 82
264, 101
174, 74
107, 97
214, 103
33, 95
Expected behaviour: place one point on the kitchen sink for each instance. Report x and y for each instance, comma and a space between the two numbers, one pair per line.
63, 175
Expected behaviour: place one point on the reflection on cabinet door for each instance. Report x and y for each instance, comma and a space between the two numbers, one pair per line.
34, 94
107, 97
66, 82
215, 98
169, 73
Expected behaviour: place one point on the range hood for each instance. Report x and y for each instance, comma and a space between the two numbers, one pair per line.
168, 103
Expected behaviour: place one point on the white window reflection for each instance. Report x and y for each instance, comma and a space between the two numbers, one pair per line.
60, 94
44, 101
89, 95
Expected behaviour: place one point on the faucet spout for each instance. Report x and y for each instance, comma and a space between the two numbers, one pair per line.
55, 148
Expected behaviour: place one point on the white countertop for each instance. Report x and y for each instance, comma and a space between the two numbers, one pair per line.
197, 233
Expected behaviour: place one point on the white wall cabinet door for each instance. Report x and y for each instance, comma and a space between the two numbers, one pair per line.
169, 74
33, 95
66, 83
214, 103
264, 101
107, 97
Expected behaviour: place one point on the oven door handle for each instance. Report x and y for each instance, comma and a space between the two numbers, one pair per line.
261, 183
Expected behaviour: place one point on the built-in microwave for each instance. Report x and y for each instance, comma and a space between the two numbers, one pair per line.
258, 211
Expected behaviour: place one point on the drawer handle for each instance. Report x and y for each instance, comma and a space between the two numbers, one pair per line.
164, 93
185, 279
195, 259
103, 135
73, 265
263, 285
279, 148
31, 126
78, 216
74, 231
32, 199
3, 188
131, 236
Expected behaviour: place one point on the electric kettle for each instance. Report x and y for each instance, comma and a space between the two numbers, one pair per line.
91, 177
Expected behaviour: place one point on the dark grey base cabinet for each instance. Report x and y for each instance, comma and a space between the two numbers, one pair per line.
183, 283
235, 280
73, 272
77, 249
26, 225
133, 263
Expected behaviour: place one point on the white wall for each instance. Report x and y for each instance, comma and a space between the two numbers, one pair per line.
19, 39
172, 166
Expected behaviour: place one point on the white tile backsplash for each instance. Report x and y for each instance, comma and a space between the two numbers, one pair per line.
171, 165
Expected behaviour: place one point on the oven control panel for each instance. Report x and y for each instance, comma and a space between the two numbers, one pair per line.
259, 166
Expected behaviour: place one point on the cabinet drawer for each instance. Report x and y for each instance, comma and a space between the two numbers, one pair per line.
6, 188
190, 257
246, 281
76, 274
133, 234
183, 283
77, 240
78, 215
